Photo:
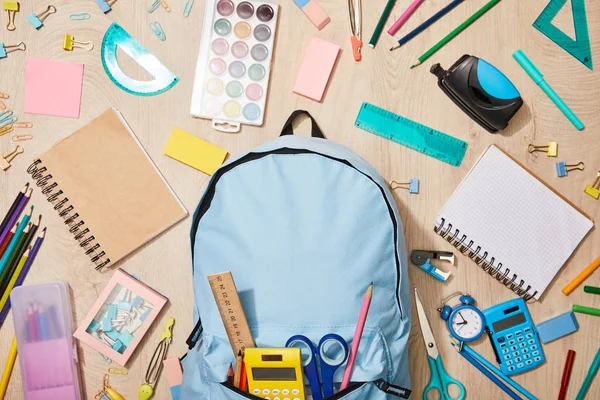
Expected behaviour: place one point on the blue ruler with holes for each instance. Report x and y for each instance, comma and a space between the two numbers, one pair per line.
411, 134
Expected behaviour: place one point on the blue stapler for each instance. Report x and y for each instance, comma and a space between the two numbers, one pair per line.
422, 259
483, 92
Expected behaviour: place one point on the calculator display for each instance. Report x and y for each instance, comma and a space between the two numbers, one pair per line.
509, 322
274, 374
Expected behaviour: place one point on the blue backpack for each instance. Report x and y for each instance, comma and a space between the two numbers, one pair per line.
304, 225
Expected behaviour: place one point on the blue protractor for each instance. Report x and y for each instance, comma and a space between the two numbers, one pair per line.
115, 37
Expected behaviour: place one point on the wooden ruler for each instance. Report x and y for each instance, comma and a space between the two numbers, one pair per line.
232, 313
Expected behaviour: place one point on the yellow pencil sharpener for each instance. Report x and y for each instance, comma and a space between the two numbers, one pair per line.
275, 372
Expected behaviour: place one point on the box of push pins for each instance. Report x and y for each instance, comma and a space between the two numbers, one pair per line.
120, 317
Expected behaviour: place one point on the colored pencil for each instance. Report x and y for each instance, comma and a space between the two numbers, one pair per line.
591, 374
10, 363
230, 374
487, 373
21, 278
382, 20
404, 17
427, 23
8, 254
15, 216
237, 376
8, 238
591, 289
6, 276
244, 378
455, 32
362, 318
583, 275
4, 224
564, 382
13, 280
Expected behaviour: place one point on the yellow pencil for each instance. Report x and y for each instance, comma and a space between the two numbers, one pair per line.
12, 356
581, 277
13, 279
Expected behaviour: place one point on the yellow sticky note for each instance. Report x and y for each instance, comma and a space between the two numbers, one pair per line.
194, 151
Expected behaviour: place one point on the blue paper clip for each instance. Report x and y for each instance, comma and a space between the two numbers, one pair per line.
37, 20
4, 50
7, 118
158, 30
80, 16
562, 168
188, 8
412, 185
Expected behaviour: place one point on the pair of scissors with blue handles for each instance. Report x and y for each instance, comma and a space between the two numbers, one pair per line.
439, 380
332, 352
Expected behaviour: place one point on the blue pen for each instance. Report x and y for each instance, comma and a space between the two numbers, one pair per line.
427, 23
13, 242
590, 377
538, 78
487, 373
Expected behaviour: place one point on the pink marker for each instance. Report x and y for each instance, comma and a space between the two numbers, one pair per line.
404, 17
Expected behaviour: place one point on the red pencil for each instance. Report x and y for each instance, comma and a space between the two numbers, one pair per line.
7, 239
564, 382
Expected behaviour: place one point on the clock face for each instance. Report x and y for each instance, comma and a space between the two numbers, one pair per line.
467, 323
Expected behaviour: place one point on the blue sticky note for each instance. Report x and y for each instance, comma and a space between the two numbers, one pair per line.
35, 21
558, 327
175, 390
124, 306
413, 186
126, 338
112, 311
106, 324
137, 301
561, 168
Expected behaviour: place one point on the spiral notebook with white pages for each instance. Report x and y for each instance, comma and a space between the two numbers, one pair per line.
514, 226
103, 184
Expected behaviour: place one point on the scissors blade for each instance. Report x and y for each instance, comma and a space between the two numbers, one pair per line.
430, 345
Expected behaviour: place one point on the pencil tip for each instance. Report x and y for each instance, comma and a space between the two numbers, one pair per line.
412, 66
395, 47
43, 235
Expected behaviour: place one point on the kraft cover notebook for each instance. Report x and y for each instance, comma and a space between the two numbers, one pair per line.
514, 226
104, 185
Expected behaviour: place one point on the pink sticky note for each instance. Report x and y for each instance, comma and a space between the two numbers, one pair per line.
316, 69
53, 87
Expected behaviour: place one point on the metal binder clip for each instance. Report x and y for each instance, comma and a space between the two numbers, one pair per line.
188, 8
422, 259
7, 158
146, 390
105, 6
551, 149
412, 185
562, 168
11, 8
69, 43
157, 3
594, 189
37, 20
80, 16
4, 50
22, 137
158, 30
355, 12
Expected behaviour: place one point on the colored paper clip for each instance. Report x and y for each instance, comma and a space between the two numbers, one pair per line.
4, 95
594, 189
146, 390
157, 3
105, 6
107, 391
188, 8
2, 105
355, 13
69, 43
412, 185
37, 20
118, 371
562, 168
22, 137
551, 149
11, 8
23, 124
6, 129
158, 30
4, 50
6, 118
80, 16
7, 158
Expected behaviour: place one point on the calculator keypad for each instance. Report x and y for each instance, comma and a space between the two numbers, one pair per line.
519, 350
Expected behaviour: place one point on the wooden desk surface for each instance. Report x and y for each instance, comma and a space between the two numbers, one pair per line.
382, 78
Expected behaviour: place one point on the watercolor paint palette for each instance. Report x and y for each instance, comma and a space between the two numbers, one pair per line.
234, 63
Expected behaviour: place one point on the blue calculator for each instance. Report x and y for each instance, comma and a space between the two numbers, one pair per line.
514, 337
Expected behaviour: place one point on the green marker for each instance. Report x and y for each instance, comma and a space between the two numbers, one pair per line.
382, 20
591, 289
586, 310
590, 377
455, 32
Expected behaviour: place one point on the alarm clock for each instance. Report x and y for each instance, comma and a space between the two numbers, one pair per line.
465, 321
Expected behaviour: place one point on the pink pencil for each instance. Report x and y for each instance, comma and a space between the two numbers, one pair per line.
404, 17
362, 318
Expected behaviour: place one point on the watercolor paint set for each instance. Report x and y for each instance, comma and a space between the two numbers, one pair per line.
234, 63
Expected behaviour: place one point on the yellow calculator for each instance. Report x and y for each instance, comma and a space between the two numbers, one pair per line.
275, 374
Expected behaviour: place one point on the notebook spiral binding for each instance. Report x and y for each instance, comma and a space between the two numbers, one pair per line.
67, 212
503, 277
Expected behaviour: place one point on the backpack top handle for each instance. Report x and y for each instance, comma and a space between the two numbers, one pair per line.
289, 130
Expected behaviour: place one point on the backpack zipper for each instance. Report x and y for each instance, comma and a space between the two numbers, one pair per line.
210, 192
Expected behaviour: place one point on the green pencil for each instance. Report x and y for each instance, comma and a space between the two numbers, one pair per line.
455, 32
382, 20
